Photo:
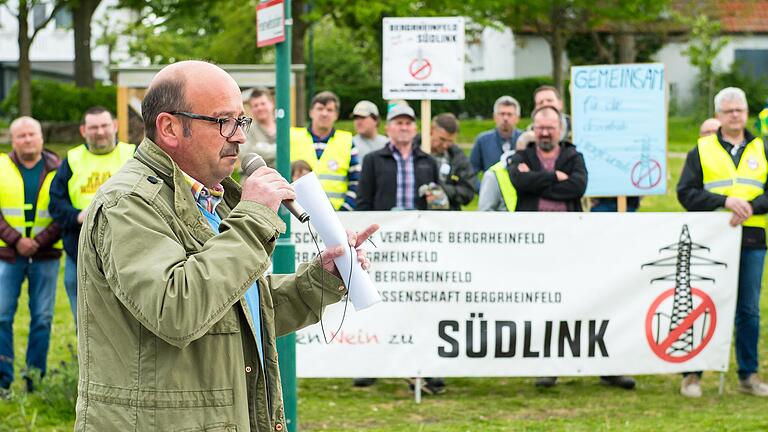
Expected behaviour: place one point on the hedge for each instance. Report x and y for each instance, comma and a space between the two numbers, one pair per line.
59, 101
478, 97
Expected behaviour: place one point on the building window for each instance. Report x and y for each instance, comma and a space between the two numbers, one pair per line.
63, 18
752, 62
39, 15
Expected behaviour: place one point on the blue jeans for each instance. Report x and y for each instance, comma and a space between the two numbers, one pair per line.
70, 284
748, 310
42, 276
608, 206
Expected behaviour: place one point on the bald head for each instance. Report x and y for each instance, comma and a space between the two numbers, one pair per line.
184, 110
168, 91
709, 127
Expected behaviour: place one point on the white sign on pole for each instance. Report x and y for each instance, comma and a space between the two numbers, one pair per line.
423, 58
533, 294
270, 23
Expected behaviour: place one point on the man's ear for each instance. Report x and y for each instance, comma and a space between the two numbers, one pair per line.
169, 130
82, 130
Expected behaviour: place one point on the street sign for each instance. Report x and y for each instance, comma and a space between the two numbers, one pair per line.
423, 58
270, 23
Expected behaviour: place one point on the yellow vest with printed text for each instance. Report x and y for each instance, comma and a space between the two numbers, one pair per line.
332, 167
12, 201
721, 176
90, 171
508, 191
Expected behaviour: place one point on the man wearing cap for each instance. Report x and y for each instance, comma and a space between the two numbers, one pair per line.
391, 179
368, 139
392, 175
330, 152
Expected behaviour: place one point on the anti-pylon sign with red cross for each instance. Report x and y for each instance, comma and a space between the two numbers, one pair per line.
703, 320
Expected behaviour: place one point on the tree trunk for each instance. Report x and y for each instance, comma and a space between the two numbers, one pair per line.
299, 29
24, 67
627, 47
556, 50
82, 14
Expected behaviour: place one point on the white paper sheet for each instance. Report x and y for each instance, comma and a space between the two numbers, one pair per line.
310, 195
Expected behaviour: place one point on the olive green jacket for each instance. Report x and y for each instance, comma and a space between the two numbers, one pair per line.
166, 340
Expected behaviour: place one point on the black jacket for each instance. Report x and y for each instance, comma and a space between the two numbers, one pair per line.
377, 189
459, 183
538, 183
693, 196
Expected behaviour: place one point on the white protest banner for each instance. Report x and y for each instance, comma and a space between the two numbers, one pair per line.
270, 23
619, 120
423, 58
533, 294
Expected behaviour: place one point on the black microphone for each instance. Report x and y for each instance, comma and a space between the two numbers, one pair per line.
250, 163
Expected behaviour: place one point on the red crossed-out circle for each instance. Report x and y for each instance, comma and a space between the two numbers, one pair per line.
660, 349
646, 175
420, 69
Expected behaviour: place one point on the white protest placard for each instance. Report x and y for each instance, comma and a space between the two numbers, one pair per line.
423, 58
619, 119
533, 294
270, 23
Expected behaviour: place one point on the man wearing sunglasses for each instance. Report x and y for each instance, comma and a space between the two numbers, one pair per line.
178, 322
85, 168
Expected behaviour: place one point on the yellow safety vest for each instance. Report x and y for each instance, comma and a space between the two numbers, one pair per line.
763, 116
12, 201
508, 191
90, 171
721, 176
332, 167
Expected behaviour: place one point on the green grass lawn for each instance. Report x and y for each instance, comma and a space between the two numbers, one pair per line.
498, 404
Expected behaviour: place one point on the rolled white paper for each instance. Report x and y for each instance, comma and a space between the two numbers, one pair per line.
311, 196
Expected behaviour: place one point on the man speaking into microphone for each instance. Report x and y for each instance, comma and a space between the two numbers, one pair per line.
177, 323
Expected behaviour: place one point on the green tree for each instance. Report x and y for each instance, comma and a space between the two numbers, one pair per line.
704, 44
25, 37
222, 31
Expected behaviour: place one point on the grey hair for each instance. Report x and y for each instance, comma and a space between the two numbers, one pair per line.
25, 119
730, 94
506, 101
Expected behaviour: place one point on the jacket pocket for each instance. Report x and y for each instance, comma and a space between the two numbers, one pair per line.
229, 323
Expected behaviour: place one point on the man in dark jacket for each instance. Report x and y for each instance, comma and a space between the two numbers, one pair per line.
728, 171
29, 246
549, 175
457, 178
391, 176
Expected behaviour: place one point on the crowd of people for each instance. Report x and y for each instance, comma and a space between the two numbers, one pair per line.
45, 203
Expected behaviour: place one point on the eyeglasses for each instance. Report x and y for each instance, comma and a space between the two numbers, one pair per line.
227, 126
544, 129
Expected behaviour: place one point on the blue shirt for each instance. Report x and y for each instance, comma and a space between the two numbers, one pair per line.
251, 295
31, 178
488, 148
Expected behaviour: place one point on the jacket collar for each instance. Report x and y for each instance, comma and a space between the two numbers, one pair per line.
156, 159
51, 160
